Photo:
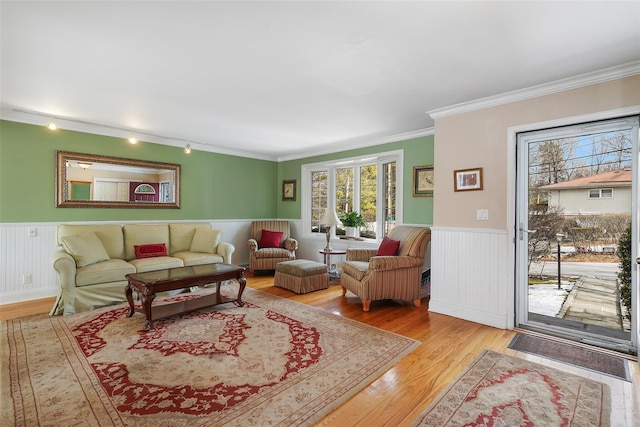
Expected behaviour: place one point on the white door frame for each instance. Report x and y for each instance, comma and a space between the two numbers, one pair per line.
512, 203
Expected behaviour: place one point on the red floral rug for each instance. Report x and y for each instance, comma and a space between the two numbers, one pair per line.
501, 390
271, 362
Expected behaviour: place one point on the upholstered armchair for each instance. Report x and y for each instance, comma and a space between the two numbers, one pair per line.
376, 277
269, 244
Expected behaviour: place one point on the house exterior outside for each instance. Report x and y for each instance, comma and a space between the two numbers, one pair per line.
602, 194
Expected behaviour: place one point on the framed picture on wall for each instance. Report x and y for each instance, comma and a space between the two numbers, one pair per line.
423, 181
467, 179
289, 190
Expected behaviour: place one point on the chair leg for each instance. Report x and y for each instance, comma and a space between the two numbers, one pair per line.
344, 291
251, 272
416, 302
365, 305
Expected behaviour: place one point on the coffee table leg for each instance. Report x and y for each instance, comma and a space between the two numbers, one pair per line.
218, 294
128, 291
146, 306
242, 282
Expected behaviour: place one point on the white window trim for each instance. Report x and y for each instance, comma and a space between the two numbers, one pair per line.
599, 193
380, 158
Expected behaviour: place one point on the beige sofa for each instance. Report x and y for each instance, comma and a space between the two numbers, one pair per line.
92, 260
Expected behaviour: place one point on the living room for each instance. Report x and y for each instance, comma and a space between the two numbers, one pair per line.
472, 258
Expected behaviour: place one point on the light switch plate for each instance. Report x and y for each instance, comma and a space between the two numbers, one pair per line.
482, 214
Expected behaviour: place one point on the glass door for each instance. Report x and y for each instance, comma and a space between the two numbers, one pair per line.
577, 223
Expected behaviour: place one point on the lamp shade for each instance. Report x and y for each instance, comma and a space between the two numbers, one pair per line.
330, 218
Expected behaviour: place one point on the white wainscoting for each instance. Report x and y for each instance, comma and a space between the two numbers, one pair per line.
22, 255
470, 275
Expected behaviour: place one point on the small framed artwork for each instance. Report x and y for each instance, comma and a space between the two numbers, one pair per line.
423, 181
467, 179
289, 190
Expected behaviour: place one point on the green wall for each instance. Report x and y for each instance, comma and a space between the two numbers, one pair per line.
213, 186
417, 152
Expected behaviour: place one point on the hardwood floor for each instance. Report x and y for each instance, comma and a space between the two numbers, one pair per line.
401, 394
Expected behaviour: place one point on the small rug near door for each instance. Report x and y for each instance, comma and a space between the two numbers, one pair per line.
572, 354
271, 362
501, 390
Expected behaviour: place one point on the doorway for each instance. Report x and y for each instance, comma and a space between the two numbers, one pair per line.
576, 213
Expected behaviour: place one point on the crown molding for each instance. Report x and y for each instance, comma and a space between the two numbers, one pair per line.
582, 80
42, 119
20, 115
360, 143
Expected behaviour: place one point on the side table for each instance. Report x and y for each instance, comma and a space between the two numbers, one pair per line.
333, 272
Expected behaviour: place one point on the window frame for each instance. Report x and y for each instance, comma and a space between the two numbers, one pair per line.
599, 190
379, 159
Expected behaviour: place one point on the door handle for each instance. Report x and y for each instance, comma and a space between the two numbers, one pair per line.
524, 230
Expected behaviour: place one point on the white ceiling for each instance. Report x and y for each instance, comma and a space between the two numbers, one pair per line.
281, 79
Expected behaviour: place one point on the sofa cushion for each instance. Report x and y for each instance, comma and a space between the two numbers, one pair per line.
388, 247
151, 250
270, 239
85, 248
113, 270
156, 263
197, 258
139, 234
355, 269
272, 253
205, 241
109, 234
181, 235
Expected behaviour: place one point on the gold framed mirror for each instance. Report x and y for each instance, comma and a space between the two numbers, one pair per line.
94, 181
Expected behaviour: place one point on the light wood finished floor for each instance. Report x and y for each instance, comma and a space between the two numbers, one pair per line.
448, 346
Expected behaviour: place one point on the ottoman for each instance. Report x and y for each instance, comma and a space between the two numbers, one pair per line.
301, 276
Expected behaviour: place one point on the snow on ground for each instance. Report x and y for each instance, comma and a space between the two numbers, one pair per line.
546, 299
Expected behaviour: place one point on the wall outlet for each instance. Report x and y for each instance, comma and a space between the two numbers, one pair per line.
32, 232
26, 279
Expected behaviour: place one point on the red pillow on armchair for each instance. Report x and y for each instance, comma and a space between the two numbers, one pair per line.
388, 247
270, 239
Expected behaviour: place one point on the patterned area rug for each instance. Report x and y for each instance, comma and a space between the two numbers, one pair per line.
501, 390
271, 362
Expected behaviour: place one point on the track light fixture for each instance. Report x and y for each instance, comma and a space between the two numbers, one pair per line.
114, 131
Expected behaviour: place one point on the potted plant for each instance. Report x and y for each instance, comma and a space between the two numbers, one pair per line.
352, 221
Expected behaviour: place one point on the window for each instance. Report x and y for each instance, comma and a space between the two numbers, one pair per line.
370, 186
601, 193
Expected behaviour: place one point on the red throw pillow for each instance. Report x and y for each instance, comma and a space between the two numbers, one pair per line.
150, 251
388, 247
270, 239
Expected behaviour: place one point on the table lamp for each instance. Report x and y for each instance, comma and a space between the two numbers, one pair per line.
328, 219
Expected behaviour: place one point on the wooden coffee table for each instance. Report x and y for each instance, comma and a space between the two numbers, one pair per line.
152, 282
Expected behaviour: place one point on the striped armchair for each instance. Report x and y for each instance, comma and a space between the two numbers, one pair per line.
266, 258
387, 277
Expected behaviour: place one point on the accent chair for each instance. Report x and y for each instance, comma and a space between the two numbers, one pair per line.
373, 277
270, 242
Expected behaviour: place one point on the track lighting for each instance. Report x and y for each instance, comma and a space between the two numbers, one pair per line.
100, 129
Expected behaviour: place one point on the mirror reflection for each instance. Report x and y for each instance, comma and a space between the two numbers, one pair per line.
88, 180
